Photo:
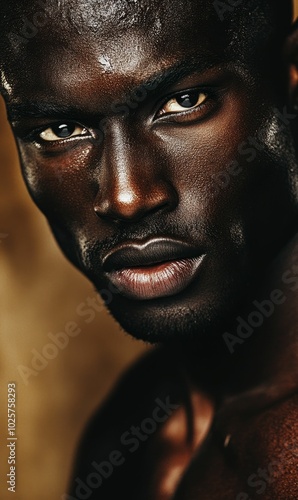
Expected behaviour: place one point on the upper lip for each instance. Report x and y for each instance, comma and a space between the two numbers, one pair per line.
153, 251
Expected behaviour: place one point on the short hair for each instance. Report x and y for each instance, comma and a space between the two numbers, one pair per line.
253, 29
259, 23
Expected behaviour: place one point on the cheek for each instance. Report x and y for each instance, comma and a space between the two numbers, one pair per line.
61, 185
205, 151
206, 165
229, 175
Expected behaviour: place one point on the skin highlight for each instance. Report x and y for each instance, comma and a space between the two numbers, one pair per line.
120, 168
148, 173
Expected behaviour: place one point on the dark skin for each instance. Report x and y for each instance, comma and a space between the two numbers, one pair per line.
151, 173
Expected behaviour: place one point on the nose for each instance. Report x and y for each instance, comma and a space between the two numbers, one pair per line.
133, 182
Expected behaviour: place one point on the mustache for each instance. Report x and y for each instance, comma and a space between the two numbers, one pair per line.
190, 233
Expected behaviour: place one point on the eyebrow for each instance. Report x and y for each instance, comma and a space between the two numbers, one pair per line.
40, 109
172, 75
164, 79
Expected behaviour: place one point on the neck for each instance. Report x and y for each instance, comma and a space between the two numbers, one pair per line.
269, 355
258, 355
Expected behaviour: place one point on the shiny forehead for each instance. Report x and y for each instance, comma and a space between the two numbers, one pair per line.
150, 16
102, 14
95, 14
121, 28
117, 29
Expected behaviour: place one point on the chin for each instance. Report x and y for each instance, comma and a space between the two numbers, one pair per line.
197, 314
173, 319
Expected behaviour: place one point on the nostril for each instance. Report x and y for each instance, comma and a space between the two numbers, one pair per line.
160, 208
106, 215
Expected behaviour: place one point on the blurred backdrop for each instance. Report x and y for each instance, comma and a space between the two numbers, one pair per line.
40, 293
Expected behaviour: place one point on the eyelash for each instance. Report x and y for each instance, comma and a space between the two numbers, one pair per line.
194, 113
34, 135
190, 115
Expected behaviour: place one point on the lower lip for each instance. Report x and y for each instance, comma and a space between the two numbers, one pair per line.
156, 281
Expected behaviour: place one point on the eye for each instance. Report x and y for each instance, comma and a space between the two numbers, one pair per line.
184, 102
60, 131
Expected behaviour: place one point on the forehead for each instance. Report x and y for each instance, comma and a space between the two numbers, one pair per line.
123, 14
117, 32
90, 46
101, 15
70, 20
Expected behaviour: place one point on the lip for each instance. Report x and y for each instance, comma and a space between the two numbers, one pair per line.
157, 268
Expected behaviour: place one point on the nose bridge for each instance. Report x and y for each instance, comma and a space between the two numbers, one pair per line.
123, 172
130, 183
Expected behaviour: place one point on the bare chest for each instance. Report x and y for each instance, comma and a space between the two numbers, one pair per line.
246, 458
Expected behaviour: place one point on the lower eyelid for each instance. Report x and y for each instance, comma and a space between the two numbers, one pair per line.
42, 144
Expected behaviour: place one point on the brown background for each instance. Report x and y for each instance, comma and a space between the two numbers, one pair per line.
40, 292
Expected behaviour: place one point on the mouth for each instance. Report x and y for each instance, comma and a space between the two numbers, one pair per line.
157, 268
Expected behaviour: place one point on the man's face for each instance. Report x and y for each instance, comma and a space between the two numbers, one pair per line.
160, 161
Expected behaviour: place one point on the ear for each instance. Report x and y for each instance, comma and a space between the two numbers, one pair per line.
291, 59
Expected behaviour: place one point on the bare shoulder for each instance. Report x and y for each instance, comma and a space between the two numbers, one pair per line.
264, 446
274, 450
254, 453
